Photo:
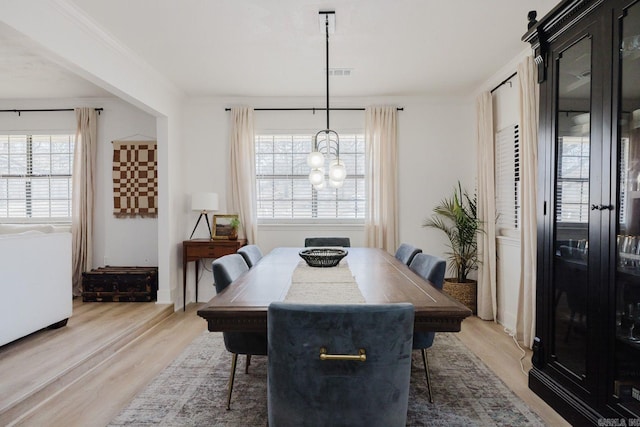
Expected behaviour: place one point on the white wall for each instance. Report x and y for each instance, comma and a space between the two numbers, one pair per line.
122, 241
436, 148
130, 241
505, 104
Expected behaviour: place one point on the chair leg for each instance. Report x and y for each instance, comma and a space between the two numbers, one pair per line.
425, 359
234, 360
246, 366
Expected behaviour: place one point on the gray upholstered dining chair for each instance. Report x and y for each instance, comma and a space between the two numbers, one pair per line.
431, 268
225, 270
344, 242
251, 254
406, 252
310, 382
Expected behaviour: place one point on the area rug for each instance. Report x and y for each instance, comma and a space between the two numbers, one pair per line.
192, 391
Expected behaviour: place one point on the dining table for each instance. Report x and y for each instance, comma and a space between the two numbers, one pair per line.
364, 275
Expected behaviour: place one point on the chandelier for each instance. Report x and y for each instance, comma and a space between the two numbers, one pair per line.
326, 142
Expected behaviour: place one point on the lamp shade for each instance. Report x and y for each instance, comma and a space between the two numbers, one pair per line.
204, 202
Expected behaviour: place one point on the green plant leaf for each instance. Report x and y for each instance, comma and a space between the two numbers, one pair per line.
456, 217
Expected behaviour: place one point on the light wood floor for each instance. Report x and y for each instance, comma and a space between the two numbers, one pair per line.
44, 381
499, 352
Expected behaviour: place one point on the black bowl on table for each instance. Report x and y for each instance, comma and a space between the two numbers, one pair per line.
322, 257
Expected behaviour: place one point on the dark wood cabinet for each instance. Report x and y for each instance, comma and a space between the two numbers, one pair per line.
587, 349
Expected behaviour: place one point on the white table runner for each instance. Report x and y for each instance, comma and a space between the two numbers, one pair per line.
324, 285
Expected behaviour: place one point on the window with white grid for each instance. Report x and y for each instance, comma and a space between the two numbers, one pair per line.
282, 180
572, 193
507, 177
35, 177
623, 166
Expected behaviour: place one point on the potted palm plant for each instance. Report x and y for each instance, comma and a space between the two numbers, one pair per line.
456, 217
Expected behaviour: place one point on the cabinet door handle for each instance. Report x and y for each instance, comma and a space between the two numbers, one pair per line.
602, 207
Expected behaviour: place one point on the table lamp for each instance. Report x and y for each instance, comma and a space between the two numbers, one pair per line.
204, 203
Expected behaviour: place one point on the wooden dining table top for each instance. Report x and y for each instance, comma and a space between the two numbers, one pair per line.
380, 277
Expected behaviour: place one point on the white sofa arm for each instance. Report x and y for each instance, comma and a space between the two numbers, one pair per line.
35, 277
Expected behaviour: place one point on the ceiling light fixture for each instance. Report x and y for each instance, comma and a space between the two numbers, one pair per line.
326, 141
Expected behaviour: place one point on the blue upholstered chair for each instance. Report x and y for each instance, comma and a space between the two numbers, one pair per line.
307, 386
251, 254
344, 242
406, 252
430, 268
225, 270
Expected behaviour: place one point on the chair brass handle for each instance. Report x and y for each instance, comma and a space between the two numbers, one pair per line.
361, 357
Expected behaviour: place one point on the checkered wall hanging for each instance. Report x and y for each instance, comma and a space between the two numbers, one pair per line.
135, 178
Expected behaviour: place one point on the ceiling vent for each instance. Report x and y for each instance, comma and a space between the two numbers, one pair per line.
340, 72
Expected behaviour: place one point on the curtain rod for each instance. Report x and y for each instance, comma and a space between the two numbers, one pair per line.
43, 110
314, 109
504, 81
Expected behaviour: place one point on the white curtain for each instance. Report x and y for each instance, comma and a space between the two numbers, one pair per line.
241, 190
487, 293
529, 104
381, 225
83, 192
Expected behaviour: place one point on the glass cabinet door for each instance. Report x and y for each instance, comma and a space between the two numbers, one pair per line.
626, 387
571, 208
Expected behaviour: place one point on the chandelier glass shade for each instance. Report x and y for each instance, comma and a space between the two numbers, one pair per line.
326, 143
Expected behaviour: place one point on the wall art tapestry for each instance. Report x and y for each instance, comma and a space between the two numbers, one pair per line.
135, 178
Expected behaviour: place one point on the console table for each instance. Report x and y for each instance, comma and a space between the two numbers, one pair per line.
197, 249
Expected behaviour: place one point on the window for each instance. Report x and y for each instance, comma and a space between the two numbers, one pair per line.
283, 188
507, 161
35, 177
622, 180
572, 197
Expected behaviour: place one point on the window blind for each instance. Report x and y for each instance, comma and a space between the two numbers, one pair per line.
35, 176
624, 181
572, 187
282, 180
507, 164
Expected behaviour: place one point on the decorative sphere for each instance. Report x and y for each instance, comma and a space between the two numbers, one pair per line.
337, 172
316, 176
315, 159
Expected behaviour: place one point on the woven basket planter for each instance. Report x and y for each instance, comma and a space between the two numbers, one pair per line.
466, 293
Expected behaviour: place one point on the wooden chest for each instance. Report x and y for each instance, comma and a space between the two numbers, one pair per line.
120, 284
